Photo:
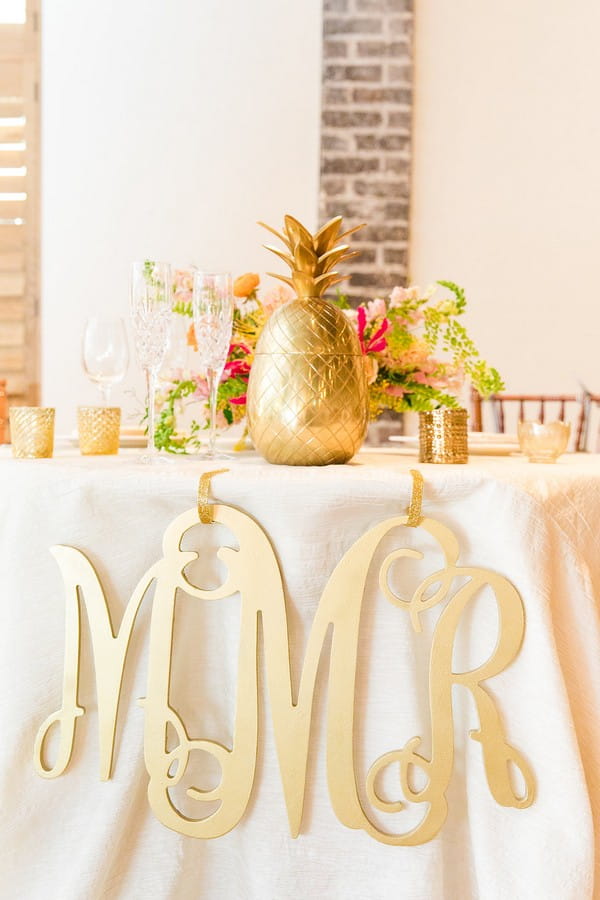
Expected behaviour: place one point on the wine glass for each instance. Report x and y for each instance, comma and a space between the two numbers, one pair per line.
104, 353
151, 302
212, 305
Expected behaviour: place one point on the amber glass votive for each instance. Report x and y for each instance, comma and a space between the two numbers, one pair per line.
443, 436
32, 431
98, 428
543, 442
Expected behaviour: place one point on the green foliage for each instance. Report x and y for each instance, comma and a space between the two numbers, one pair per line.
340, 300
183, 308
455, 340
166, 436
444, 332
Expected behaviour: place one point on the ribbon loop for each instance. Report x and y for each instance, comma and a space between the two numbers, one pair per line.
205, 509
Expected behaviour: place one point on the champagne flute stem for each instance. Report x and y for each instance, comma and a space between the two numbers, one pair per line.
151, 400
213, 384
105, 391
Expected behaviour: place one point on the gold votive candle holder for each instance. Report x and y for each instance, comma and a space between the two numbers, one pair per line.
98, 428
32, 431
443, 436
543, 442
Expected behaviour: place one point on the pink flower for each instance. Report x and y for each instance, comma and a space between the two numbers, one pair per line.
375, 344
183, 281
236, 368
201, 392
400, 295
376, 309
238, 401
424, 378
239, 346
455, 379
414, 357
394, 390
220, 420
276, 297
416, 317
412, 293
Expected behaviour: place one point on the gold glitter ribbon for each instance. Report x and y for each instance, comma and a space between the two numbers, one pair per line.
205, 509
416, 499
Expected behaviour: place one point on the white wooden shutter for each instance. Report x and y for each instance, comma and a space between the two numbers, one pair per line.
19, 201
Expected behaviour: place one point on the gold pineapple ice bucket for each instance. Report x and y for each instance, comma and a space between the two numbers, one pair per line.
307, 393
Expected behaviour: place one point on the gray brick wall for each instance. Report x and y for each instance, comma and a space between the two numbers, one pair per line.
366, 134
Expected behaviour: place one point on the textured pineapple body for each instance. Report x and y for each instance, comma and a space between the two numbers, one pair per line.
307, 395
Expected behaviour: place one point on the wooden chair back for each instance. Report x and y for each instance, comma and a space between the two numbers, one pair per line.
3, 412
541, 407
590, 439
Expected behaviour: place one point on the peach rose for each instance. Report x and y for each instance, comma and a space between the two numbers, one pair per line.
191, 337
371, 369
245, 284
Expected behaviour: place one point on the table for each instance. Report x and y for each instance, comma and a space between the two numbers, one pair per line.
77, 837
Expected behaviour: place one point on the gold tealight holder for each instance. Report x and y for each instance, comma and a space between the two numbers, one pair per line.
443, 436
543, 442
32, 431
98, 428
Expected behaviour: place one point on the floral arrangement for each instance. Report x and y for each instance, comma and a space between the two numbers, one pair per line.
417, 354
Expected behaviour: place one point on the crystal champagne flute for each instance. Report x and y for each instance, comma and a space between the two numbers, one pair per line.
213, 320
151, 303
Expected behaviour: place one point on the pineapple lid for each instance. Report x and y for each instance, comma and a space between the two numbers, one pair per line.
309, 326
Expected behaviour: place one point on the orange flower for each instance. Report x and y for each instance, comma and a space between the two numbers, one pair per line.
245, 284
191, 337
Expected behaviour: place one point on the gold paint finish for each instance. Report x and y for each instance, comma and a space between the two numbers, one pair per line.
32, 431
443, 436
416, 500
98, 428
312, 257
307, 394
205, 511
253, 571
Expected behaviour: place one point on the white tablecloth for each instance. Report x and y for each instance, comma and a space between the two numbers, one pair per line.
76, 837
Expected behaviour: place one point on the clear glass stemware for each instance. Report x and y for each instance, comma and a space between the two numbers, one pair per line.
213, 319
151, 303
105, 353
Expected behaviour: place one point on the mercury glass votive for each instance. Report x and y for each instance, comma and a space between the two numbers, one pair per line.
443, 436
32, 431
543, 442
98, 428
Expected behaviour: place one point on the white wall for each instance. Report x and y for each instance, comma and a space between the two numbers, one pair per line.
168, 128
506, 190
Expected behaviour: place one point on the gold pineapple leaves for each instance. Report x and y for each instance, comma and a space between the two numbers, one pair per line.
326, 236
296, 231
311, 258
